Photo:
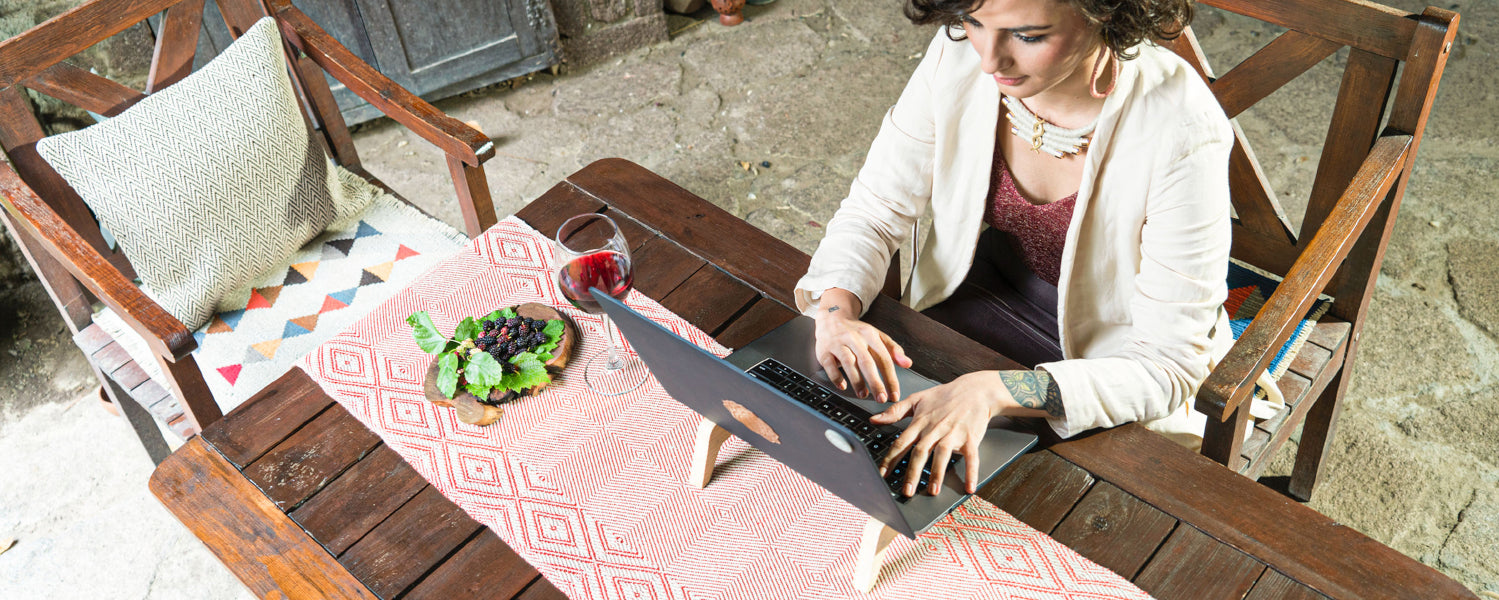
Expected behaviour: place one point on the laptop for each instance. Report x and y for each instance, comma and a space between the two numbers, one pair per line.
774, 395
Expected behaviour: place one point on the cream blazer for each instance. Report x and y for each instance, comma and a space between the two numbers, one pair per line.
1142, 279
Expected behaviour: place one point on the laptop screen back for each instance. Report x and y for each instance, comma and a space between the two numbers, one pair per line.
811, 444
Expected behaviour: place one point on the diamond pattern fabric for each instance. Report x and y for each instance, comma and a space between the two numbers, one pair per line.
593, 490
206, 182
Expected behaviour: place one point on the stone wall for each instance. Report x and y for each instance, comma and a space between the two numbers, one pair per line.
125, 58
592, 30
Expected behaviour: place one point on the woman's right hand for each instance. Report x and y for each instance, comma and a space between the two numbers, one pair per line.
856, 353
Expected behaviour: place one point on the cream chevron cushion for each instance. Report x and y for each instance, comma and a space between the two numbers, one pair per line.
206, 183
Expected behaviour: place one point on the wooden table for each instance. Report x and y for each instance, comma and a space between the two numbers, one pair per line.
298, 498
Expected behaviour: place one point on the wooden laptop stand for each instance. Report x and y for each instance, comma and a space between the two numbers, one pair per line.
877, 535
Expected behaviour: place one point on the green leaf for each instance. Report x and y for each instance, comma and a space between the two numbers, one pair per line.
530, 373
447, 374
523, 358
467, 330
483, 369
479, 391
508, 313
553, 331
427, 337
544, 356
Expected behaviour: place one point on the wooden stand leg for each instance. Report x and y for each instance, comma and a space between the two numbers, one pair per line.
876, 538
710, 438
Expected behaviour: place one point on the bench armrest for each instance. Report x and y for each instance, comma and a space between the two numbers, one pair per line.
164, 334
1232, 382
454, 137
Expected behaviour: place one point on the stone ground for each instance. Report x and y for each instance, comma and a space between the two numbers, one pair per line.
802, 86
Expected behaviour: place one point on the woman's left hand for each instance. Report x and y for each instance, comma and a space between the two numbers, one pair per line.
945, 419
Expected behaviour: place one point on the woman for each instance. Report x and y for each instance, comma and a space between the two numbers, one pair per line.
1099, 162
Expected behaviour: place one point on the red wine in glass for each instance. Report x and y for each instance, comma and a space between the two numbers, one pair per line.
606, 270
593, 254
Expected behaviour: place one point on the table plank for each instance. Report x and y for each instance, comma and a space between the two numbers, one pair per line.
419, 536
359, 499
1114, 529
268, 418
709, 299
1254, 519
1274, 586
1193, 566
300, 466
546, 213
1039, 489
542, 589
252, 537
763, 316
661, 265
484, 568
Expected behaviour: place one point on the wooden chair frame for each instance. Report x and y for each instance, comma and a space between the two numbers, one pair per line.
1360, 180
59, 236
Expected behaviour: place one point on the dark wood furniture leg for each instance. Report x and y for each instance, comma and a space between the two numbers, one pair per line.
140, 419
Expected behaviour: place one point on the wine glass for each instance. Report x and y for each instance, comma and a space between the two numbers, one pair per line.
594, 255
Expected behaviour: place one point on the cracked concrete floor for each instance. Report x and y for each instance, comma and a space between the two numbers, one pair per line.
802, 86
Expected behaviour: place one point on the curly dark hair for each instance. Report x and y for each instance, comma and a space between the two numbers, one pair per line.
1123, 24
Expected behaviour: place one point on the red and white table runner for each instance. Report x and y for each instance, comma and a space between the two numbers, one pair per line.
593, 491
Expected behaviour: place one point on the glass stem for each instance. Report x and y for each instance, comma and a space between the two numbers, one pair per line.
615, 363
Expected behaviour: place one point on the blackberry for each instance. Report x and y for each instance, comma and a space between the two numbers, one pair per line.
512, 322
488, 325
484, 342
498, 353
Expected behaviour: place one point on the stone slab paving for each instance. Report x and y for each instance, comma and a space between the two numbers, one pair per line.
771, 120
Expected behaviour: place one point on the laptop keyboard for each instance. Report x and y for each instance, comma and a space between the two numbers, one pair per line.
876, 438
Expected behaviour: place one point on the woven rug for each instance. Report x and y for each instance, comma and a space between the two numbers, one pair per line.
593, 490
356, 264
1248, 289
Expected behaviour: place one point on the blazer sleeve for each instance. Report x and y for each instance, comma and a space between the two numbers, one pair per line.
1177, 295
892, 189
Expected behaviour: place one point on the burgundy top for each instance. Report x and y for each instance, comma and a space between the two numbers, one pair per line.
1039, 230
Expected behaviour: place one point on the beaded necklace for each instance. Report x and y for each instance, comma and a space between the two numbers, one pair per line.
1044, 136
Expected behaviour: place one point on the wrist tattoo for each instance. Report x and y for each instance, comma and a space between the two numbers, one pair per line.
834, 309
1035, 389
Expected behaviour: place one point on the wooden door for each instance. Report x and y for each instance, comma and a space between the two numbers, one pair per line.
435, 48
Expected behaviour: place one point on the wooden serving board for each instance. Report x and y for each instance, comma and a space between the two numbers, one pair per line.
470, 410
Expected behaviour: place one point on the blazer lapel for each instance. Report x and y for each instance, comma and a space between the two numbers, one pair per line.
1098, 151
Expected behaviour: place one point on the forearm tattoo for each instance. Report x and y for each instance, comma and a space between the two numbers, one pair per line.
1035, 389
834, 309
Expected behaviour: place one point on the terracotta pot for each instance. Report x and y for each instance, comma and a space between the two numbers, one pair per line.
729, 12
